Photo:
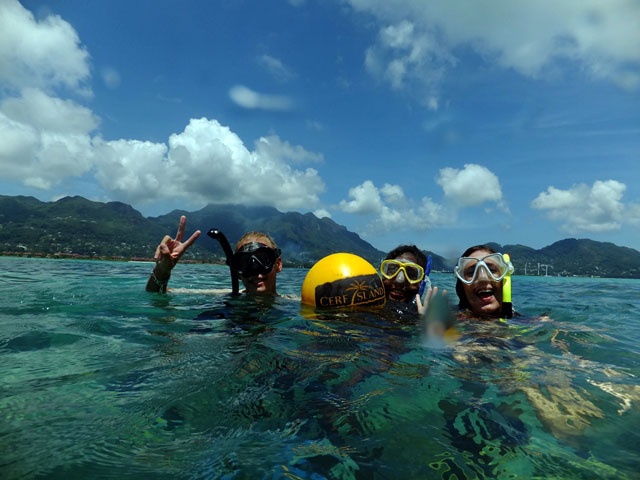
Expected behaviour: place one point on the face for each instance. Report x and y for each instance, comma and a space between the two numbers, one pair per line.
398, 288
484, 294
262, 283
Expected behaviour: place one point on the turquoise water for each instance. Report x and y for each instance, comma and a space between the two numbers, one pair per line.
99, 379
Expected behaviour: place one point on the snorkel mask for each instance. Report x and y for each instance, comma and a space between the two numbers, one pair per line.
494, 267
401, 271
254, 258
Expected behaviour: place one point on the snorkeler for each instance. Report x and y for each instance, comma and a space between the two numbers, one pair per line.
256, 261
481, 283
404, 272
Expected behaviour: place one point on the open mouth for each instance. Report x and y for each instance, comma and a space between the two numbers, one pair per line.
485, 294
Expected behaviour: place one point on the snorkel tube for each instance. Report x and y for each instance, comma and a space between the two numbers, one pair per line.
426, 280
224, 243
507, 306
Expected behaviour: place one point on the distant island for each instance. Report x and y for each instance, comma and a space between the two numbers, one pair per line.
74, 227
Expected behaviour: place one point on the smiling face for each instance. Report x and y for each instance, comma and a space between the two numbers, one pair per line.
398, 288
484, 295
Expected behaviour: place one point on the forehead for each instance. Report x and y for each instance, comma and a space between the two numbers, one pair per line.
254, 238
406, 257
480, 253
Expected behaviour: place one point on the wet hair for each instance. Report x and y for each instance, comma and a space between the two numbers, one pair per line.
421, 258
257, 236
463, 303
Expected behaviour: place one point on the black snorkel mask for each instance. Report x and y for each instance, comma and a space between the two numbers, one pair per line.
253, 259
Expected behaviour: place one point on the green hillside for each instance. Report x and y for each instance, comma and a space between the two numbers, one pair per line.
75, 226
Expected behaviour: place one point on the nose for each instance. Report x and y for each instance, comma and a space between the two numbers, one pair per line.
482, 273
400, 277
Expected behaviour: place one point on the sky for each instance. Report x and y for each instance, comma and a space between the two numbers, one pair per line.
442, 124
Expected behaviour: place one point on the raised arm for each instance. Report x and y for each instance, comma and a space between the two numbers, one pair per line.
167, 255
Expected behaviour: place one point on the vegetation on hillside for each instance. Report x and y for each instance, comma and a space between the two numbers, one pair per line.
75, 226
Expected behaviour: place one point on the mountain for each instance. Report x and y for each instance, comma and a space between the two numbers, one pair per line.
75, 226
304, 237
576, 257
80, 227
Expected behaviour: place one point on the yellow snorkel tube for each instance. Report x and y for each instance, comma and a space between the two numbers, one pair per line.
507, 305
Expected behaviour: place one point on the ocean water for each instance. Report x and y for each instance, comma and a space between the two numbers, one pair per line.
99, 379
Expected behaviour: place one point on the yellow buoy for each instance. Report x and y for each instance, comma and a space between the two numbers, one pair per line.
343, 280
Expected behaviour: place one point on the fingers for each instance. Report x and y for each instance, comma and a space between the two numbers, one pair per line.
191, 239
181, 226
162, 248
422, 308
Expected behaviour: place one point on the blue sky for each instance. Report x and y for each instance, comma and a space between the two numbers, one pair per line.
442, 123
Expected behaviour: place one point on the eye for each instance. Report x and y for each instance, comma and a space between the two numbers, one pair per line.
493, 268
412, 271
392, 268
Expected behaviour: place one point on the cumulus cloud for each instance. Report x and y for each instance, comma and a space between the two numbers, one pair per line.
251, 100
209, 163
472, 186
44, 54
582, 208
391, 210
44, 139
419, 42
47, 139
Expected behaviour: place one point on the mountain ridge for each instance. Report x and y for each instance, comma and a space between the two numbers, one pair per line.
76, 226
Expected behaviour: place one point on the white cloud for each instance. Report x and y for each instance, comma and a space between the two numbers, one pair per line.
208, 163
42, 54
47, 113
406, 57
581, 208
322, 213
366, 200
274, 147
249, 99
390, 210
471, 186
44, 139
276, 68
47, 140
418, 42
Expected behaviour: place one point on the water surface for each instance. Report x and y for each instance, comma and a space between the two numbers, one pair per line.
99, 379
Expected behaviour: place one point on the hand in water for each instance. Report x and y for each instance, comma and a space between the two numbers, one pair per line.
435, 314
431, 293
171, 249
